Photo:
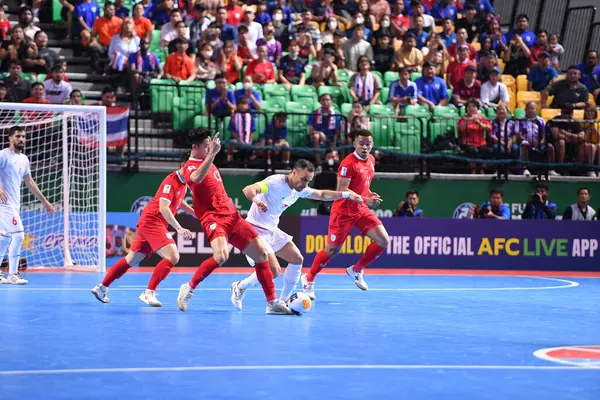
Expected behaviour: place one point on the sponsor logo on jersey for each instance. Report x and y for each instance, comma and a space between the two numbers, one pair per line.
167, 189
344, 171
140, 204
213, 226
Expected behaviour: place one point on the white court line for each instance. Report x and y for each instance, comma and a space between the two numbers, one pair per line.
298, 367
568, 284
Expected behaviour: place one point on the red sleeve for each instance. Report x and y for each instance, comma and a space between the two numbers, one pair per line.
271, 74
250, 69
187, 171
346, 169
167, 189
473, 55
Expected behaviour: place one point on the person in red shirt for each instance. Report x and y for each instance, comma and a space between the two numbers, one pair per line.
472, 129
468, 88
235, 13
461, 38
152, 236
222, 223
37, 94
4, 24
355, 173
261, 70
457, 68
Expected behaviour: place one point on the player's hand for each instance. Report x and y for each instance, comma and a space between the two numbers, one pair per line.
374, 200
261, 206
3, 198
186, 233
355, 197
49, 208
215, 144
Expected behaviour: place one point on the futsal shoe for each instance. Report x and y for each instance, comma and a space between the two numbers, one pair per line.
358, 278
278, 307
3, 280
184, 297
237, 295
101, 293
15, 279
149, 297
308, 287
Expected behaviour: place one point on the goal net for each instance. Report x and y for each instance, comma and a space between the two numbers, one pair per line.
66, 146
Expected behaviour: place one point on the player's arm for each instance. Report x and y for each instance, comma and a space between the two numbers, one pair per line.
165, 211
215, 146
373, 200
332, 195
30, 183
251, 191
187, 208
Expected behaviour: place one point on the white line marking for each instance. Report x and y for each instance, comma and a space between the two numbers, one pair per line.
543, 354
37, 319
294, 367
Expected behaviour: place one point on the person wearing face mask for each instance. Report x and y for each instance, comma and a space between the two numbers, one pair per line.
286, 12
274, 48
291, 68
330, 27
282, 32
252, 95
206, 68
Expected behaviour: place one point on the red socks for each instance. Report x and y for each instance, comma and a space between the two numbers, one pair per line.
115, 272
161, 271
203, 271
373, 251
265, 277
320, 262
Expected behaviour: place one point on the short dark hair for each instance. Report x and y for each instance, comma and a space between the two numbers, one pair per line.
242, 29
575, 67
108, 4
14, 129
279, 115
473, 101
108, 89
26, 8
74, 91
325, 94
242, 100
498, 191
57, 68
412, 191
221, 8
16, 62
304, 164
198, 135
583, 188
541, 31
522, 16
542, 186
361, 132
36, 84
470, 7
175, 10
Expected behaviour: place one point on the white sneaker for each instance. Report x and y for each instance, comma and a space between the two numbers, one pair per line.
358, 278
149, 297
308, 287
526, 172
16, 279
101, 293
553, 173
184, 297
3, 280
278, 307
237, 295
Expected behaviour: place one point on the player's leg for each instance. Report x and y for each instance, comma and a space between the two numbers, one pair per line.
170, 257
4, 243
291, 276
134, 257
238, 288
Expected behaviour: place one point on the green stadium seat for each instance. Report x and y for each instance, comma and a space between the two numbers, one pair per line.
343, 76
379, 75
41, 78
28, 77
519, 113
408, 138
346, 108
491, 113
308, 101
260, 121
415, 75
276, 91
304, 91
162, 92
389, 77
183, 114
385, 95
336, 92
193, 91
381, 109
445, 111
297, 118
420, 112
383, 131
204, 121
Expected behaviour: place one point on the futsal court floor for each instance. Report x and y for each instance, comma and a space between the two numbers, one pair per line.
409, 337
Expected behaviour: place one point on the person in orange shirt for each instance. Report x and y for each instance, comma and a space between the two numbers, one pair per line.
229, 63
261, 70
143, 26
179, 66
104, 28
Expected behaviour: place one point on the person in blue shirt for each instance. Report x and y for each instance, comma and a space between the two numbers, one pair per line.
86, 13
409, 208
484, 7
444, 9
121, 11
403, 92
143, 65
432, 89
252, 95
276, 135
418, 31
538, 206
261, 15
494, 208
590, 73
448, 36
160, 14
241, 127
324, 125
521, 29
542, 74
220, 101
286, 11
408, 7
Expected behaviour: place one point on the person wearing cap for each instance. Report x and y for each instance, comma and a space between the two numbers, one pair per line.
541, 75
456, 69
356, 47
179, 66
467, 88
432, 89
566, 138
199, 24
567, 91
494, 91
408, 56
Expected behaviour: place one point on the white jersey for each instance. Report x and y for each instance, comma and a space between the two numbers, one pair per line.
13, 168
277, 197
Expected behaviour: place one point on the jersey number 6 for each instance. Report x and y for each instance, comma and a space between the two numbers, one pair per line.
14, 221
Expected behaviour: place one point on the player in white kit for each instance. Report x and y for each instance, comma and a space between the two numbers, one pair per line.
14, 170
270, 198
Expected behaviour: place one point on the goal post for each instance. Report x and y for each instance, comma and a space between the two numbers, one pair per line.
66, 147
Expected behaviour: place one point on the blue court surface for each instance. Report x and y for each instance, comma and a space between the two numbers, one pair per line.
408, 337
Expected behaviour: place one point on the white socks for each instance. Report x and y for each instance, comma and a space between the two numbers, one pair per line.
249, 282
291, 277
14, 252
4, 242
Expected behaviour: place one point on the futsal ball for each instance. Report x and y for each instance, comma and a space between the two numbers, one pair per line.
299, 303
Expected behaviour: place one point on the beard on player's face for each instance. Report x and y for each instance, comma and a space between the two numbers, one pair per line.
19, 145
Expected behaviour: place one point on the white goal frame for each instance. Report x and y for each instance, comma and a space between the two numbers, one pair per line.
69, 110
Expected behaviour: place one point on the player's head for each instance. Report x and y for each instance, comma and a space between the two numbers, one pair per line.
302, 174
200, 140
16, 138
363, 142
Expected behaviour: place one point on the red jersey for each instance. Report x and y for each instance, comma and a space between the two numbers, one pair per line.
209, 195
173, 189
361, 173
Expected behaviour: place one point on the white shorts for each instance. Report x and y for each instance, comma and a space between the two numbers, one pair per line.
272, 240
10, 221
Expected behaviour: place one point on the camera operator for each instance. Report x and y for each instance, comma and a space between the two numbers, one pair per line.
494, 208
409, 208
538, 206
580, 211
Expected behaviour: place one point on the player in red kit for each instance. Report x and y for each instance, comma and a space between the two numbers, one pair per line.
221, 222
355, 173
152, 236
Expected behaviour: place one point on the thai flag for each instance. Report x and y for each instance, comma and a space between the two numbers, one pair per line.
119, 62
117, 119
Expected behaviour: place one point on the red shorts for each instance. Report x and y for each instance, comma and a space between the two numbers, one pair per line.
234, 228
150, 237
341, 223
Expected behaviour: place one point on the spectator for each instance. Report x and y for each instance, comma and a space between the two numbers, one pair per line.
591, 127
363, 17
502, 132
528, 136
235, 13
324, 126
255, 30
408, 208
261, 70
248, 91
590, 74
306, 46
542, 74
418, 10
276, 135
286, 17
86, 13
5, 24
241, 126
437, 54
159, 12
282, 31
144, 66
457, 68
76, 98
484, 7
494, 208
409, 7
567, 91
521, 29
325, 73
486, 47
470, 22
200, 23
581, 210
344, 10
120, 10
489, 62
150, 8
538, 206
262, 17
57, 90
274, 49
365, 87
243, 48
229, 63
123, 45
15, 49
17, 87
379, 8
143, 26
3, 92
432, 89
37, 94
467, 88
212, 36
400, 21
448, 35
169, 31
420, 35
408, 56
472, 130
356, 119
26, 22
336, 48
213, 6
356, 47
494, 91
565, 138
403, 92
99, 38
179, 66
517, 57
220, 101
540, 45
206, 69
494, 32
331, 25
228, 31
291, 68
40, 59
181, 31
313, 30
383, 53
444, 9
556, 50
461, 39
